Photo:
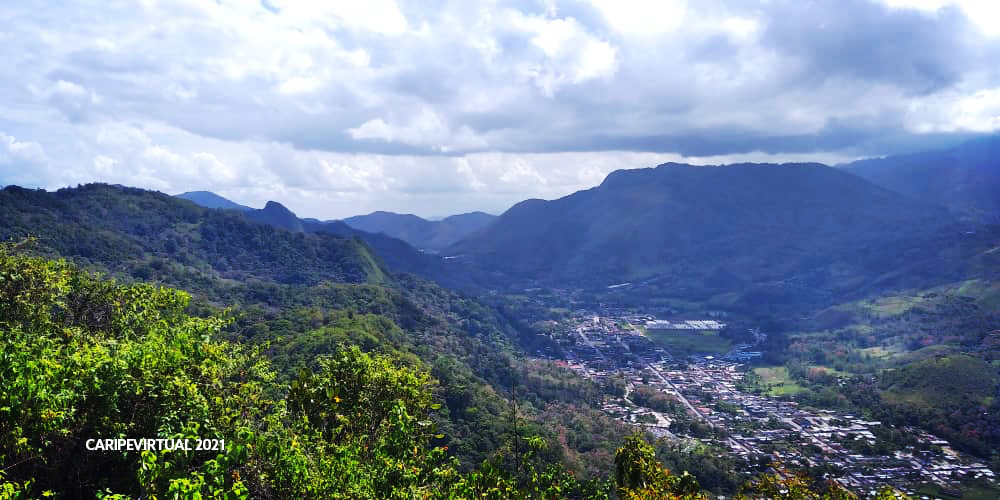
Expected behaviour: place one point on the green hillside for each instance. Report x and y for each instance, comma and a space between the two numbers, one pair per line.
89, 365
153, 236
928, 358
772, 233
965, 178
297, 298
942, 381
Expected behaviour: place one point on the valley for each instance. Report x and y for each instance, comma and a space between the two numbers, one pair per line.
716, 400
747, 339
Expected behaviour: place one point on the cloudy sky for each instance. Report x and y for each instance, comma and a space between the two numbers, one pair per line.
437, 107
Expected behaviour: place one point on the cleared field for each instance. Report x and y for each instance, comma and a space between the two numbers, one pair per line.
777, 381
679, 304
941, 381
826, 370
695, 342
978, 490
879, 352
893, 305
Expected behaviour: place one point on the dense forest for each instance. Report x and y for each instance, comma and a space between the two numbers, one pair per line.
86, 358
329, 373
297, 296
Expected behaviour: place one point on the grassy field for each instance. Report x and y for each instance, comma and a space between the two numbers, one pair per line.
777, 381
830, 371
939, 381
879, 352
698, 342
892, 305
973, 491
724, 300
679, 304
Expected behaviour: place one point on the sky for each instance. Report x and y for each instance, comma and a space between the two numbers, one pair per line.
437, 107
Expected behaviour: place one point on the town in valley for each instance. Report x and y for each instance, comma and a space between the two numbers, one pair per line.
661, 378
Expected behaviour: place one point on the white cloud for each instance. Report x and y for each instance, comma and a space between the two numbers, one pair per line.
643, 17
984, 13
426, 128
72, 99
572, 54
341, 107
978, 112
13, 150
21, 162
379, 16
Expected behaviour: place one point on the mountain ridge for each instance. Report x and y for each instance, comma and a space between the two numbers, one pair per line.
965, 178
110, 225
209, 199
431, 235
397, 254
683, 223
277, 215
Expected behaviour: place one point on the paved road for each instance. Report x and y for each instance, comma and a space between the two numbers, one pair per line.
680, 396
587, 341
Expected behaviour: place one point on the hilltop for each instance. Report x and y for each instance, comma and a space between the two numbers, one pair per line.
798, 230
209, 199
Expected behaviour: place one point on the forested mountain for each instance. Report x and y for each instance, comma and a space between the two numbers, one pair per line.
209, 199
965, 178
419, 232
701, 230
297, 298
285, 313
142, 233
397, 254
117, 391
275, 214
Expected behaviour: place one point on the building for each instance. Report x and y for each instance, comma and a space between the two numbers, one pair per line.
710, 324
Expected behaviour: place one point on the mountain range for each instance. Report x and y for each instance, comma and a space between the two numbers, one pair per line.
397, 254
702, 230
880, 272
138, 232
965, 178
754, 232
424, 234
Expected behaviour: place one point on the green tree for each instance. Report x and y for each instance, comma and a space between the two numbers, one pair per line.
638, 475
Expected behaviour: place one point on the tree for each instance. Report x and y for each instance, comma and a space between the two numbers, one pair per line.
784, 485
639, 476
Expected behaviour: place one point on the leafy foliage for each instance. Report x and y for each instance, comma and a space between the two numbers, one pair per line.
784, 485
87, 358
639, 476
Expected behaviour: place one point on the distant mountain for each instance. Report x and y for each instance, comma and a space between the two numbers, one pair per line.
397, 254
275, 214
792, 229
209, 199
469, 222
965, 178
422, 233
